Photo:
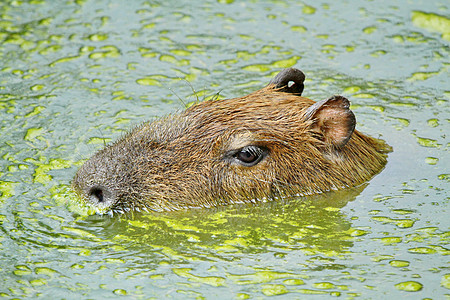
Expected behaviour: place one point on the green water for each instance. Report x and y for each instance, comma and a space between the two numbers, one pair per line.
77, 74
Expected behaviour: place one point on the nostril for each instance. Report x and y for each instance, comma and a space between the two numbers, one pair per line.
96, 193
101, 196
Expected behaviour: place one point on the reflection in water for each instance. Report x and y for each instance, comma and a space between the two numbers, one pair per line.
243, 245
313, 225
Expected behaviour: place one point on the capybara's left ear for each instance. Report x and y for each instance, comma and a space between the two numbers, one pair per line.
333, 118
289, 80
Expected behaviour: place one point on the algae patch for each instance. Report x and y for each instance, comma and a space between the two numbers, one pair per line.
409, 286
432, 22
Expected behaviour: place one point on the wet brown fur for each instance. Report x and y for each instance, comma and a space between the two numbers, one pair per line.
182, 161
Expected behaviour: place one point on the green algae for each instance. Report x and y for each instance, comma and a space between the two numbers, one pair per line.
427, 142
79, 232
33, 134
369, 30
285, 63
422, 250
299, 28
43, 167
399, 263
409, 286
431, 160
364, 96
358, 232
63, 60
46, 271
259, 277
445, 177
120, 292
422, 75
274, 289
38, 282
180, 52
293, 282
352, 90
402, 223
22, 270
173, 60
7, 189
403, 211
324, 285
331, 243
148, 81
433, 122
210, 280
390, 240
379, 258
242, 296
308, 10
37, 87
108, 51
36, 111
403, 122
432, 22
311, 292
98, 37
445, 281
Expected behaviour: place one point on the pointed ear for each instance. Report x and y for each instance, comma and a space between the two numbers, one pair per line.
333, 118
289, 80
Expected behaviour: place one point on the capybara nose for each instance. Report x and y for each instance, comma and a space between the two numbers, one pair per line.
100, 195
96, 194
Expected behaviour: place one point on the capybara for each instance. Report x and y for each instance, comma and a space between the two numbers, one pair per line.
270, 144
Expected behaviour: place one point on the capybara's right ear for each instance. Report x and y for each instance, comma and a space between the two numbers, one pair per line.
333, 118
289, 80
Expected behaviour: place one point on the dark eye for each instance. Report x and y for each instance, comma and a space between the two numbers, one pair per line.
250, 155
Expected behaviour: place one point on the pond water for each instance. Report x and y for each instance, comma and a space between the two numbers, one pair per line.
77, 74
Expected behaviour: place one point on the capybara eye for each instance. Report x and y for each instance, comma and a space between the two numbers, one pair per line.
250, 155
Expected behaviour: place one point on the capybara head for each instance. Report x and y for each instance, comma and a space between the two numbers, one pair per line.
272, 143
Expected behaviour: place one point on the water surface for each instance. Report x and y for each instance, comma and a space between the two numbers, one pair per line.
77, 74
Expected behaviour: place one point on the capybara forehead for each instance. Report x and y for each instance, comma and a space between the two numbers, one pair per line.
259, 105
